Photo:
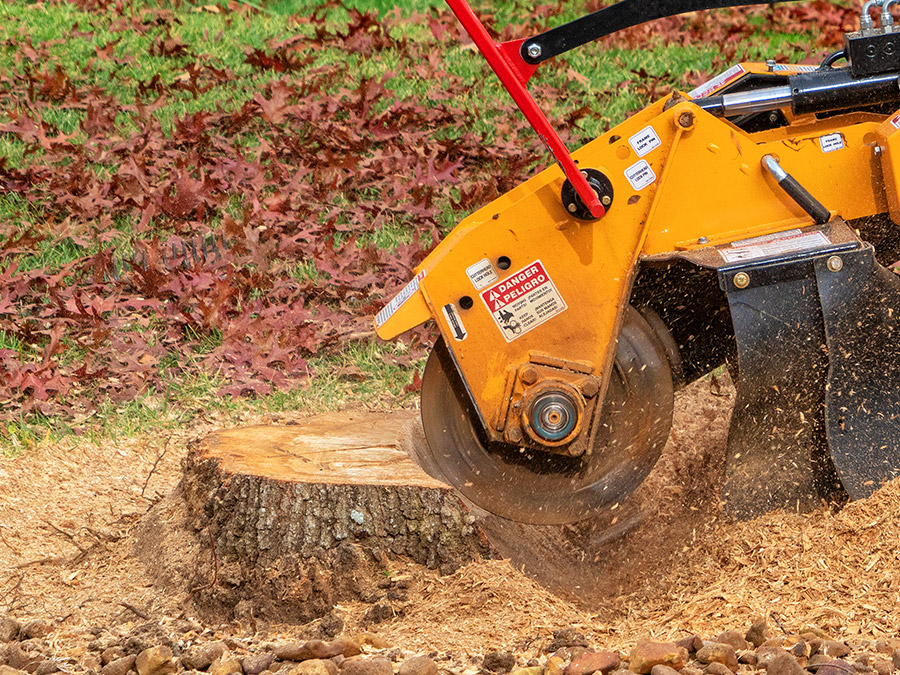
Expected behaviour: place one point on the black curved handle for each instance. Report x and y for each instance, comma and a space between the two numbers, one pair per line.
614, 18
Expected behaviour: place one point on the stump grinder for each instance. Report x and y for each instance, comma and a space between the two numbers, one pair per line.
746, 222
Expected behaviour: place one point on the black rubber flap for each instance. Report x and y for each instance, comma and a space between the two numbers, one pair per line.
777, 454
861, 308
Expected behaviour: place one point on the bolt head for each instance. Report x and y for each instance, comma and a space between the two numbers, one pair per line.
535, 51
514, 434
686, 120
572, 207
835, 264
741, 280
529, 375
606, 200
703, 240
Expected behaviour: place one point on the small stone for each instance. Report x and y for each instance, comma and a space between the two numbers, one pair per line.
663, 670
766, 653
555, 665
367, 667
883, 646
498, 662
119, 666
226, 664
567, 637
733, 638
155, 661
693, 643
747, 658
801, 650
202, 656
6, 670
784, 664
528, 670
311, 667
312, 649
814, 642
716, 668
36, 629
9, 629
110, 654
895, 659
687, 670
647, 654
882, 666
47, 667
18, 659
593, 662
346, 647
718, 652
757, 632
256, 663
834, 649
422, 665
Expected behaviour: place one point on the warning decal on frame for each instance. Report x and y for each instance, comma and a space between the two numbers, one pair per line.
774, 244
832, 142
640, 175
523, 301
405, 294
481, 274
718, 82
644, 141
457, 330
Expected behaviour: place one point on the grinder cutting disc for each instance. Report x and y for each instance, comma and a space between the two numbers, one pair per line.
538, 487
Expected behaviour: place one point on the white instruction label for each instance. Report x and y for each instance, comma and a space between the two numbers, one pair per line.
640, 175
481, 274
644, 141
832, 142
718, 81
523, 301
794, 68
895, 120
776, 244
457, 330
405, 294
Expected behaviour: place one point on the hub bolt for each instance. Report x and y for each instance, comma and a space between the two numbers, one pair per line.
535, 51
573, 207
835, 264
529, 375
686, 120
741, 280
514, 434
606, 200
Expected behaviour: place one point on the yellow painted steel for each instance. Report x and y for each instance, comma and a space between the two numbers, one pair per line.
702, 182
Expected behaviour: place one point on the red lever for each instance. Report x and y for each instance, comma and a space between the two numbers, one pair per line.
506, 60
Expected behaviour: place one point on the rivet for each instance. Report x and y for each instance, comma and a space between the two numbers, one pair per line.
835, 264
703, 240
741, 280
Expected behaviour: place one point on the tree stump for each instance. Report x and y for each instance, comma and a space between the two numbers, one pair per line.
289, 520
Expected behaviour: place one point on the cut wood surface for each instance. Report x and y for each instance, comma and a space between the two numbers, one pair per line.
292, 519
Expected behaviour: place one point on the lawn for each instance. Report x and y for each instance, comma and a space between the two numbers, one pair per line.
204, 204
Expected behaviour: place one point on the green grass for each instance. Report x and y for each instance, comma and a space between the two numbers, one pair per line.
362, 374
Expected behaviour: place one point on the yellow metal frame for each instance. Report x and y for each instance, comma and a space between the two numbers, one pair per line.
709, 188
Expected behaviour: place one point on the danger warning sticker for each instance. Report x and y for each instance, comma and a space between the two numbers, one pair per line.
523, 301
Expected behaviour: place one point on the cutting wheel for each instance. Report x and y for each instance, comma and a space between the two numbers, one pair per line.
538, 487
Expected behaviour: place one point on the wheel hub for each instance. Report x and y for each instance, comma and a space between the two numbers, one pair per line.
552, 416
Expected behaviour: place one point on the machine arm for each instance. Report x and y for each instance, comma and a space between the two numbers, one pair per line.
603, 22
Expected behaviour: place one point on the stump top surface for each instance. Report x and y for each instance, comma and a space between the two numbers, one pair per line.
355, 447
